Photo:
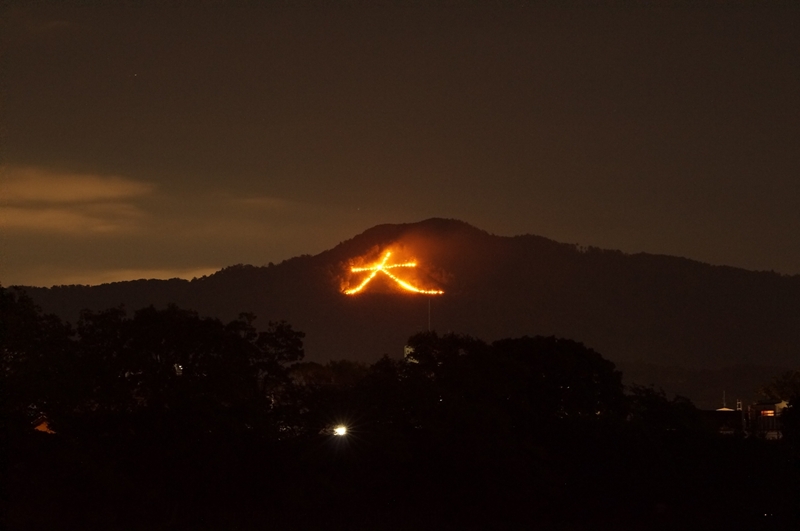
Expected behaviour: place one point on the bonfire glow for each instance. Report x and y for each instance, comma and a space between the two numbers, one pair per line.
381, 267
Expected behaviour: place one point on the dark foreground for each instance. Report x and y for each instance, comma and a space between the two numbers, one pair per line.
219, 483
165, 420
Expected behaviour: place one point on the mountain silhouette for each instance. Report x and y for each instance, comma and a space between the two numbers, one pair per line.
635, 308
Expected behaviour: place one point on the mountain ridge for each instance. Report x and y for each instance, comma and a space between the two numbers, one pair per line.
638, 307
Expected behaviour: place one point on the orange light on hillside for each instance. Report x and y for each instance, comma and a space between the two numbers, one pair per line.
382, 267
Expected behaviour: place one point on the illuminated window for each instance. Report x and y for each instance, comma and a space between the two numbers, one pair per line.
767, 413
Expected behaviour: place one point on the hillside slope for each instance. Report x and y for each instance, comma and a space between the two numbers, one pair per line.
638, 308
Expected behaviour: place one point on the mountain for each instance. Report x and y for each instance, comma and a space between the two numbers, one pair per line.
636, 308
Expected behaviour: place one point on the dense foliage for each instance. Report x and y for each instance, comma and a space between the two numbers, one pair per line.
166, 419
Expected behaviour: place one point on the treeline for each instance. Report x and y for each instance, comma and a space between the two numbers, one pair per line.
165, 419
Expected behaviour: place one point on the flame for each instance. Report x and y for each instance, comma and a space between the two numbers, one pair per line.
381, 267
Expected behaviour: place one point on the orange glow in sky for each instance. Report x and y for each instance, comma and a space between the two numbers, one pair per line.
382, 267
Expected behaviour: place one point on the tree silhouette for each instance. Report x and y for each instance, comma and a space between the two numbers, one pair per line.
35, 350
165, 418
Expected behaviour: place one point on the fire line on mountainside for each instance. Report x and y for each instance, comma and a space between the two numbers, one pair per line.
382, 267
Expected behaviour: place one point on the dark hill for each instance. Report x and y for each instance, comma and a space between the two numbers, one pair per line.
637, 308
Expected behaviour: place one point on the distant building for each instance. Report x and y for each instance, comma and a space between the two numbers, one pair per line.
724, 421
764, 418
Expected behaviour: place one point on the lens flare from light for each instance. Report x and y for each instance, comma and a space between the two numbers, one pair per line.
382, 267
341, 431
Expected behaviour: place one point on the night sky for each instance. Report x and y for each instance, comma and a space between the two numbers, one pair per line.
154, 142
